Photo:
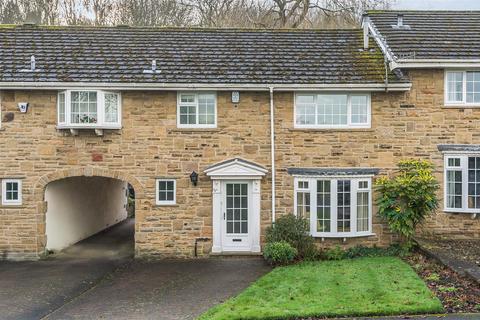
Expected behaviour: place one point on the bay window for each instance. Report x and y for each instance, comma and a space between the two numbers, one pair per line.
462, 88
462, 183
336, 207
332, 110
89, 108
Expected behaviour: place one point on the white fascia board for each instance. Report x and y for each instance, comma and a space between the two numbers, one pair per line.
435, 63
202, 86
379, 40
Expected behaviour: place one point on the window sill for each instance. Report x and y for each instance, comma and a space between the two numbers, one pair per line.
459, 211
83, 127
166, 205
193, 130
338, 236
11, 206
461, 106
331, 129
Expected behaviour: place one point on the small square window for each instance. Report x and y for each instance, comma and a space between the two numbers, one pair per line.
166, 191
11, 192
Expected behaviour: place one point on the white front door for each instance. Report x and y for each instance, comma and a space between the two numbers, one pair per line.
236, 216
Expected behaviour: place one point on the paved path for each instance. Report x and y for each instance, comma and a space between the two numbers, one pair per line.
98, 279
32, 289
456, 262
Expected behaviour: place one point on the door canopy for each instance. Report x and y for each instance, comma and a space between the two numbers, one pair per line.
236, 168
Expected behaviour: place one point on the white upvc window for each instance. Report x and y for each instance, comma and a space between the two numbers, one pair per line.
332, 110
89, 109
166, 190
11, 192
337, 206
462, 183
196, 110
462, 88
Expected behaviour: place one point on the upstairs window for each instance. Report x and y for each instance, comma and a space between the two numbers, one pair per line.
92, 108
332, 111
462, 88
196, 110
335, 207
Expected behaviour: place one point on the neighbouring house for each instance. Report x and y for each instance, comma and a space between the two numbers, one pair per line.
220, 131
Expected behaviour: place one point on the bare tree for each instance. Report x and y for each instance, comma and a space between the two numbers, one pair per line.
204, 13
101, 11
321, 13
152, 13
34, 11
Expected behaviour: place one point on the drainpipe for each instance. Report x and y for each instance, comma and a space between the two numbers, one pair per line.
272, 151
385, 61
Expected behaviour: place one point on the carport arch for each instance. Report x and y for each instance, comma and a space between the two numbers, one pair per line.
41, 185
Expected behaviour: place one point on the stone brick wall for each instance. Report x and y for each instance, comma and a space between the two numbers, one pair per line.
404, 125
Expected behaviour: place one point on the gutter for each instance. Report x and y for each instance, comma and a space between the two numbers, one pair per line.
202, 86
272, 150
435, 63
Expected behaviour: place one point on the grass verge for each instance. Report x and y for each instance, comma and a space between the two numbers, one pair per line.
352, 287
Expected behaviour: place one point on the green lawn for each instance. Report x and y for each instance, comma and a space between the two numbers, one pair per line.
364, 286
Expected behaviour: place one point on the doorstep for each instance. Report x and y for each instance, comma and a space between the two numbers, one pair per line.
236, 253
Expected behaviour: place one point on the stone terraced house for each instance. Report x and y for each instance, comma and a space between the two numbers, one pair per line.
221, 131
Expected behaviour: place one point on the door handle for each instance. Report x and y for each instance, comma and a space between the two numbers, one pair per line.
224, 216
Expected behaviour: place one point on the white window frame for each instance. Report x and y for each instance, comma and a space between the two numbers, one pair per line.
349, 124
464, 168
196, 125
464, 102
16, 202
157, 189
354, 189
297, 189
101, 123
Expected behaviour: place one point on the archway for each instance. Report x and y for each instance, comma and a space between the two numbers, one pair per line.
79, 203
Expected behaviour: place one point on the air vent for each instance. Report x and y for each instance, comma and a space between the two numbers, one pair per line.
153, 68
33, 67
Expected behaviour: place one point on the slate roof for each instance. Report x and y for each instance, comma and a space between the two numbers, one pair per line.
430, 34
216, 56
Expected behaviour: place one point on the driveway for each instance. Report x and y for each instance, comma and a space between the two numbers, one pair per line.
98, 278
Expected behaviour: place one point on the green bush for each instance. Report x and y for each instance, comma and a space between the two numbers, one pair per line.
279, 253
362, 251
336, 253
295, 231
408, 198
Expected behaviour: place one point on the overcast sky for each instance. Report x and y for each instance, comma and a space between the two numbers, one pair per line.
439, 4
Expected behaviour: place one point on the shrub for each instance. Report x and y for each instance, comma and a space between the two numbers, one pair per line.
279, 253
408, 198
362, 251
336, 253
295, 231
